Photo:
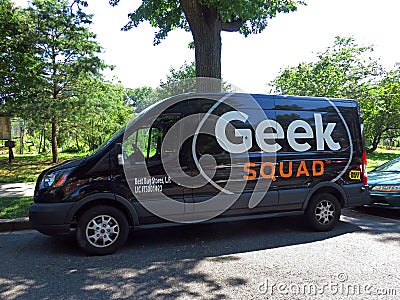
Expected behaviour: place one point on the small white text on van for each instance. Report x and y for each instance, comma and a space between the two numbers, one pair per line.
322, 135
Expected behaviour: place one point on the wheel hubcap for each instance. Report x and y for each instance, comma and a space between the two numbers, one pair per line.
325, 212
102, 231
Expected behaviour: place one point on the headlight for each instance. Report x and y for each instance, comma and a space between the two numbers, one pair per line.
55, 178
386, 188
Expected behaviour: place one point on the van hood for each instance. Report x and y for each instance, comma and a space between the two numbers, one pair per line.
71, 163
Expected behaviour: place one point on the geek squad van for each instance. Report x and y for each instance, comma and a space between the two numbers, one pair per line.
210, 157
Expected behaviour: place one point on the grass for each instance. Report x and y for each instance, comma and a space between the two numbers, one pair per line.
27, 167
11, 208
381, 156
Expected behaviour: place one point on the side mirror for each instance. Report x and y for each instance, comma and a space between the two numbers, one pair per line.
120, 158
118, 152
116, 156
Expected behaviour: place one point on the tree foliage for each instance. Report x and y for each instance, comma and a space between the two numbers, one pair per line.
347, 70
134, 97
51, 76
68, 52
18, 62
205, 19
101, 111
178, 81
381, 110
343, 70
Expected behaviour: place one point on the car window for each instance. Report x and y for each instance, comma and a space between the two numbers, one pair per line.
390, 166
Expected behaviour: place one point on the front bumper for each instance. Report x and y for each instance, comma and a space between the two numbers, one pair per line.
50, 218
388, 200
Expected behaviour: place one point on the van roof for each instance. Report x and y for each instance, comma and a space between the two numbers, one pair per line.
260, 98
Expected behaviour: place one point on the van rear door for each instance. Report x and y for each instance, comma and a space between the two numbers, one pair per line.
315, 151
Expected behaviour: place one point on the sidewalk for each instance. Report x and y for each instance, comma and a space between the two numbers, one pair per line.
15, 190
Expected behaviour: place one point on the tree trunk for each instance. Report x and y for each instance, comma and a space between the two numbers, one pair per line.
77, 142
21, 136
54, 149
44, 139
208, 54
40, 141
375, 143
206, 31
372, 149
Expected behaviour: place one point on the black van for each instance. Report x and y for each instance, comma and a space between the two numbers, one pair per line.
210, 157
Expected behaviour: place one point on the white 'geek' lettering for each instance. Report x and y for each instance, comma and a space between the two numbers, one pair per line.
323, 135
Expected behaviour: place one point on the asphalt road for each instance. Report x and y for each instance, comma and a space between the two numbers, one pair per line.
259, 259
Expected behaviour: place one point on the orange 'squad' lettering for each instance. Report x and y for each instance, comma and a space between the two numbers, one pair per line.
269, 170
302, 170
289, 173
271, 175
321, 165
250, 171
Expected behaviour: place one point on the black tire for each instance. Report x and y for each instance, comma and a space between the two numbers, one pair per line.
102, 230
323, 212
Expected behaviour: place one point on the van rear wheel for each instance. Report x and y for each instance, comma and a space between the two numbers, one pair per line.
102, 230
323, 212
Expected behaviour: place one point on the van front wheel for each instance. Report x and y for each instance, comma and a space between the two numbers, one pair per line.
323, 212
102, 230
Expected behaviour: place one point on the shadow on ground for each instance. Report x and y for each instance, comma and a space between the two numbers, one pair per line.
385, 228
382, 212
156, 263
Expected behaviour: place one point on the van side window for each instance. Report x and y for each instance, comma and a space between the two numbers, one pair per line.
146, 144
154, 144
135, 146
207, 144
141, 138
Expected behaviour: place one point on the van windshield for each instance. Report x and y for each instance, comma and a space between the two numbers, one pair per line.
111, 140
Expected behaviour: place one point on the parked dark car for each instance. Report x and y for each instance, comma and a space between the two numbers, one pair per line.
384, 183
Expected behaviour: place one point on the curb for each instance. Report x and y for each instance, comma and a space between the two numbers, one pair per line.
15, 224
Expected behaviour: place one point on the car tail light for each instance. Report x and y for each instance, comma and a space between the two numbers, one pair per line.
363, 168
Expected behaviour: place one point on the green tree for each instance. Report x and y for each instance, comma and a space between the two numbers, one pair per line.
182, 80
93, 115
135, 96
68, 52
347, 70
206, 19
344, 69
381, 110
178, 81
94, 111
186, 71
17, 58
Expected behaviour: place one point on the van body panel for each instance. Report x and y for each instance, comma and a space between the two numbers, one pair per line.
356, 194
